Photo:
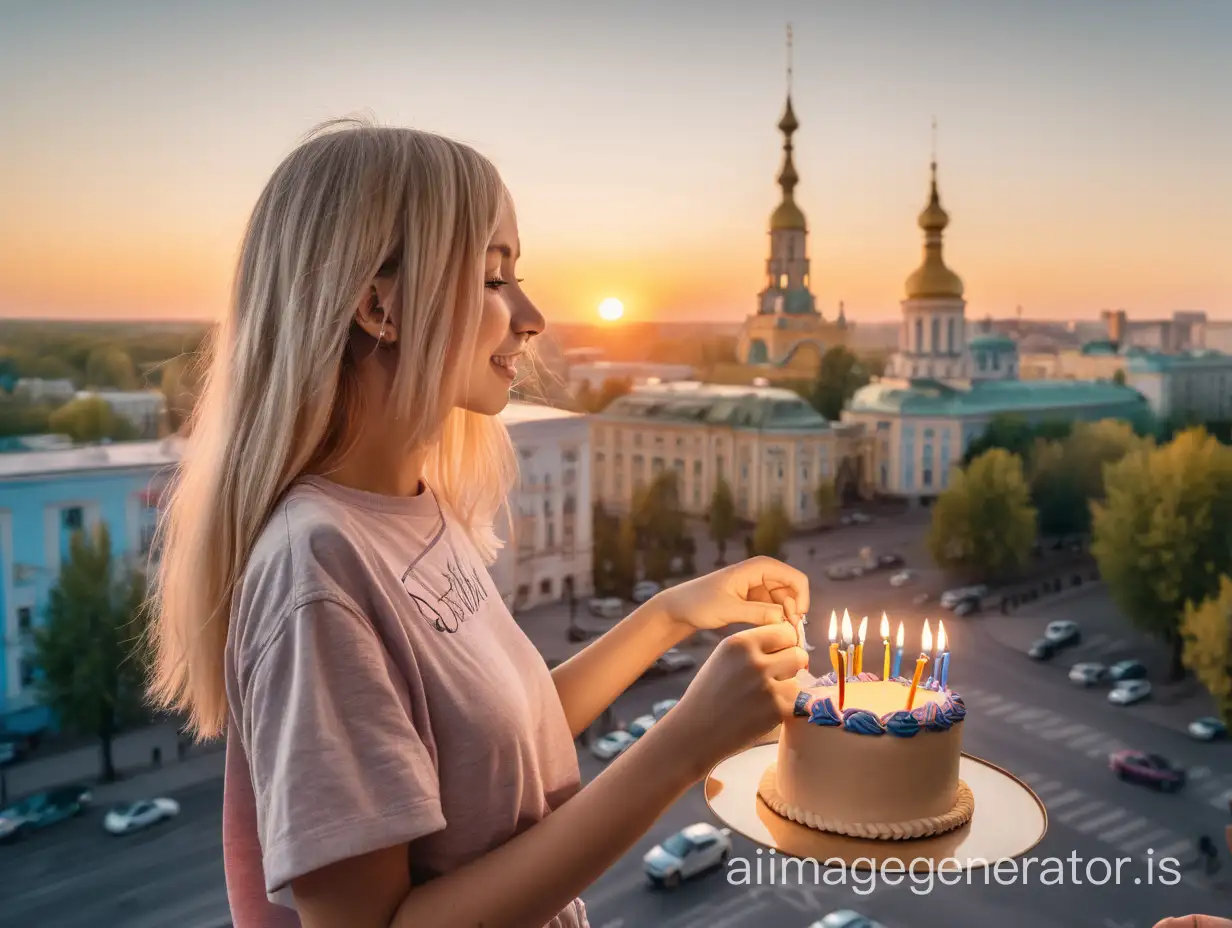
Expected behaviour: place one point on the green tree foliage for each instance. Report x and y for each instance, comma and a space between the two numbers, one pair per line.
841, 373
984, 525
18, 416
1067, 475
89, 655
1206, 630
1007, 431
181, 382
827, 500
1119, 376
111, 367
590, 400
90, 419
722, 517
772, 530
659, 522
1163, 535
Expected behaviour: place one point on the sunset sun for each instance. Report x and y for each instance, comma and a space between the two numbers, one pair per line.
611, 309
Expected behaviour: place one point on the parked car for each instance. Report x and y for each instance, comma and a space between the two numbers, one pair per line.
1207, 728
577, 633
1128, 692
967, 606
901, 578
1042, 650
135, 816
673, 661
687, 853
890, 560
846, 918
607, 607
859, 518
613, 744
660, 708
845, 520
1087, 673
41, 810
1127, 670
642, 724
920, 599
1063, 633
838, 573
644, 589
951, 598
1148, 769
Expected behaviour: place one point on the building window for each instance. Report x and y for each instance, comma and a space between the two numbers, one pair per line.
945, 458
599, 457
919, 336
551, 527
73, 518
803, 501
678, 465
27, 673
782, 281
951, 343
570, 456
656, 466
637, 439
570, 505
720, 472
935, 346
697, 470
25, 618
927, 468
545, 587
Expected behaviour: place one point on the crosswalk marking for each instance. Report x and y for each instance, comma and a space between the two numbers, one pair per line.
1179, 850
1025, 715
1125, 830
1113, 815
1064, 799
1144, 840
1045, 786
1083, 740
1000, 710
1056, 734
1223, 801
1199, 773
1105, 747
1078, 812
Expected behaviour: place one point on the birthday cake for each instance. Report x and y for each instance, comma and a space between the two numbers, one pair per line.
877, 760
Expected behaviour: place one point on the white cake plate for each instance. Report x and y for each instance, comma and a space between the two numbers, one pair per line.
1009, 820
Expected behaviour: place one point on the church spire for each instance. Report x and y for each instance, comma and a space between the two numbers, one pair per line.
932, 279
788, 215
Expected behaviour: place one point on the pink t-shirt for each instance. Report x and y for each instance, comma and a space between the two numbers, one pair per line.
381, 694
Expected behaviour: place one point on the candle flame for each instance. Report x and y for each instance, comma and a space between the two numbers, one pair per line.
940, 635
833, 626
885, 627
926, 638
863, 629
898, 643
846, 628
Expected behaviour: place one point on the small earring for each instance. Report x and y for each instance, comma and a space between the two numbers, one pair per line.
381, 334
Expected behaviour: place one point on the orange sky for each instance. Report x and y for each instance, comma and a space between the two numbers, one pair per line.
642, 151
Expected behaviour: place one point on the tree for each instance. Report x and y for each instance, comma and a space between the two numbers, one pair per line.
90, 419
108, 366
181, 383
827, 499
1067, 475
1006, 430
838, 377
18, 416
659, 522
89, 656
722, 518
772, 529
1118, 376
1163, 535
624, 562
590, 401
984, 524
1206, 630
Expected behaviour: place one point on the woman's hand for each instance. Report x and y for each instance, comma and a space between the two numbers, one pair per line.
758, 591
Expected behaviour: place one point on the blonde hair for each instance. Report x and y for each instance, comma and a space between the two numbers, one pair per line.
352, 201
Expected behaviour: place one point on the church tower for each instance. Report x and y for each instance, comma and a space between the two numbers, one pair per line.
933, 340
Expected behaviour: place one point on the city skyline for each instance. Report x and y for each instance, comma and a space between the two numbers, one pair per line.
1081, 154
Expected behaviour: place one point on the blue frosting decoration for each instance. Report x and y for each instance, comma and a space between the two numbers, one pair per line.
823, 713
958, 709
925, 714
862, 722
901, 723
830, 679
802, 704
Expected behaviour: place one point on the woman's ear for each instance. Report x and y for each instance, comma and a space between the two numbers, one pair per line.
373, 316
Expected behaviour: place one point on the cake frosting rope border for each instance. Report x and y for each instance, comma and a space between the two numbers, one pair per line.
959, 815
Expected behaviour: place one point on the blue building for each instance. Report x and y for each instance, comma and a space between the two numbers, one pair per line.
44, 497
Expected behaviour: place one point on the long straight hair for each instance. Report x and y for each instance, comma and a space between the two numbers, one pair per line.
352, 201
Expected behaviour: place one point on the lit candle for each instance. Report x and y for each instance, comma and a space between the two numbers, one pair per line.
885, 647
848, 646
943, 646
926, 645
860, 646
842, 679
934, 668
898, 653
834, 642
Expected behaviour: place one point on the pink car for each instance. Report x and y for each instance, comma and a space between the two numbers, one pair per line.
1148, 769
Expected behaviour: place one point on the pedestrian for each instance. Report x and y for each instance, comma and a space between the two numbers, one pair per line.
397, 750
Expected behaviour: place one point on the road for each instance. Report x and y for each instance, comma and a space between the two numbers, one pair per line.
1022, 716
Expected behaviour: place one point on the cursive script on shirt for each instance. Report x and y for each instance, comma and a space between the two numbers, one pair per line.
463, 593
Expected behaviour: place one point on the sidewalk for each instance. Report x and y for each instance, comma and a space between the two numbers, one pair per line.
202, 767
1107, 637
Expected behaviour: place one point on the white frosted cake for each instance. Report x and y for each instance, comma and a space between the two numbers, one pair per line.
874, 769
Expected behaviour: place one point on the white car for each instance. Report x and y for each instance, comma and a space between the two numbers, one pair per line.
1207, 728
644, 589
920, 599
951, 598
860, 518
662, 707
901, 578
613, 744
1087, 673
642, 724
1128, 692
124, 820
1063, 632
846, 918
687, 853
608, 607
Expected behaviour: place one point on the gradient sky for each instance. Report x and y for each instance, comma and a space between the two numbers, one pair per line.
1085, 145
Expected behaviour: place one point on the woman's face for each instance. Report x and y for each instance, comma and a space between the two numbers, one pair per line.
508, 322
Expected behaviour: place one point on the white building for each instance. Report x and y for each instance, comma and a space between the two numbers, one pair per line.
548, 556
38, 390
145, 409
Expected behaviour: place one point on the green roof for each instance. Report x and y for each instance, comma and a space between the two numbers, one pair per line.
993, 342
1155, 362
1100, 347
932, 398
736, 406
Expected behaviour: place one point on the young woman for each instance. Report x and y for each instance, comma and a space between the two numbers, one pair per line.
398, 752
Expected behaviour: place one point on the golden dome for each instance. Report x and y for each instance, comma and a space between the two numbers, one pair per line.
787, 215
789, 124
932, 279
